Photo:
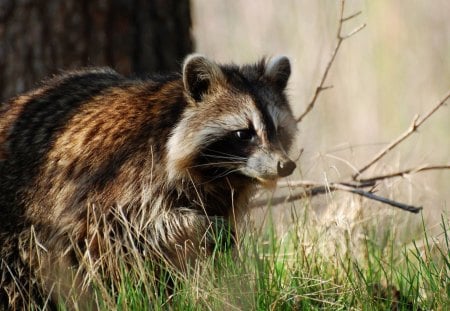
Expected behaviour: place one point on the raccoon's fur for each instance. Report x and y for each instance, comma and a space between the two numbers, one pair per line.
174, 155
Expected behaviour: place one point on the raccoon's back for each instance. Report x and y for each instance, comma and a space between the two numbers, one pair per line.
30, 122
81, 127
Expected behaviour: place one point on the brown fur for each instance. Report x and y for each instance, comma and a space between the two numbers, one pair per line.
91, 154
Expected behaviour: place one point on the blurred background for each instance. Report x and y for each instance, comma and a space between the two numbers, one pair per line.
395, 68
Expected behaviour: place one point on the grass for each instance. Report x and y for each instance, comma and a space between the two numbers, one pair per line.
295, 272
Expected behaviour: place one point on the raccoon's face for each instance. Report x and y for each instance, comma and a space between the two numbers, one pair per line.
238, 122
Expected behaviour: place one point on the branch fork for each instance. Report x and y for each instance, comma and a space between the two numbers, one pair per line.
339, 39
357, 184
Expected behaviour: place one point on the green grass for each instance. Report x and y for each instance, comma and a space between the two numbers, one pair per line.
269, 272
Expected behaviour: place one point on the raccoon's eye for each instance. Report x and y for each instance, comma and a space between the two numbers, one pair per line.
245, 135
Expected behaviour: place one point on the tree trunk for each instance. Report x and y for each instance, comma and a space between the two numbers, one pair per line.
39, 38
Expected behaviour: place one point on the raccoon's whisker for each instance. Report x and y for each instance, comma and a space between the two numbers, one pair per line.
222, 157
300, 152
241, 159
218, 153
224, 174
215, 164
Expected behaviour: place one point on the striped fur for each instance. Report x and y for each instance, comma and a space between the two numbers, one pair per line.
171, 156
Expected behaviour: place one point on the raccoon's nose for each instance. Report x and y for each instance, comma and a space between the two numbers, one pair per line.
285, 168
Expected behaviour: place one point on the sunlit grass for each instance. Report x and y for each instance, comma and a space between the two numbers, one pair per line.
269, 272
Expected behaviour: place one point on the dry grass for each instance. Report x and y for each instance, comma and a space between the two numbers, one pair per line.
350, 257
300, 269
336, 251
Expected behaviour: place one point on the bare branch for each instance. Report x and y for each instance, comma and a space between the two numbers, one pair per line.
311, 184
351, 16
340, 38
310, 189
405, 172
326, 188
405, 207
313, 188
354, 32
417, 122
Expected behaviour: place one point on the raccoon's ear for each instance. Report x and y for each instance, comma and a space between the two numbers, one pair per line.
277, 71
200, 75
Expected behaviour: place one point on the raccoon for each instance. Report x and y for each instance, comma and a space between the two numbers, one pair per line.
177, 156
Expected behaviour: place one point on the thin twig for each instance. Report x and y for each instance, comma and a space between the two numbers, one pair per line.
310, 189
369, 195
404, 172
354, 31
417, 122
326, 188
351, 16
311, 184
340, 38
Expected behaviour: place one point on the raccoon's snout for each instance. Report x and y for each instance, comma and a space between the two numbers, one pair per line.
268, 165
285, 168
